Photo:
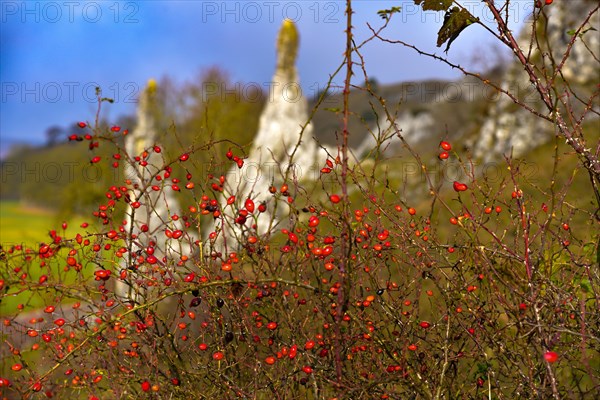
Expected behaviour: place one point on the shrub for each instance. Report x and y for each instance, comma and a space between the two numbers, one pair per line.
488, 287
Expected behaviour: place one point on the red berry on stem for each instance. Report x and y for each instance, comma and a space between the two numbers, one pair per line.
272, 326
103, 274
551, 356
190, 277
445, 145
249, 204
307, 369
270, 360
459, 187
293, 237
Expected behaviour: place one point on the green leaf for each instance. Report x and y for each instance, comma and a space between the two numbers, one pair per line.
385, 14
455, 21
482, 368
572, 32
585, 285
435, 5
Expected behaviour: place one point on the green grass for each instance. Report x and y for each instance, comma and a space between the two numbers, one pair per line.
29, 226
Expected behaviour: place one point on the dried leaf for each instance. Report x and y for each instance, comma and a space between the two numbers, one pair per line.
435, 5
455, 21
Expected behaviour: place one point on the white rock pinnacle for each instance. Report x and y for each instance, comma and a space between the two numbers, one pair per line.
156, 207
283, 138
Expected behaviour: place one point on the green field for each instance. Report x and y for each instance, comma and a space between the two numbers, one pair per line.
29, 226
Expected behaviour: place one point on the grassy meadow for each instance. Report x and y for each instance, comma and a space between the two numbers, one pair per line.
24, 225
28, 226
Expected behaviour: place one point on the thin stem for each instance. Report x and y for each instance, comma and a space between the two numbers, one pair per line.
342, 296
591, 161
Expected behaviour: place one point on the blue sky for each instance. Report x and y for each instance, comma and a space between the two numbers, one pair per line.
53, 53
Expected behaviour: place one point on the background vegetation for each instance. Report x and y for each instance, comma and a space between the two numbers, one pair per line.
411, 275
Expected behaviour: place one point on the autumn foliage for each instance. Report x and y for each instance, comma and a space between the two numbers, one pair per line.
485, 287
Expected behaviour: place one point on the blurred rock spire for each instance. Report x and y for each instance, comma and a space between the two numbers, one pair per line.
156, 207
287, 48
283, 148
144, 134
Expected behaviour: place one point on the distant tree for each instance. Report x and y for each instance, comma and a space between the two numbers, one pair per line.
55, 134
374, 83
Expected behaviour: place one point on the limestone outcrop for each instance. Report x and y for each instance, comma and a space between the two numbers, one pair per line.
283, 149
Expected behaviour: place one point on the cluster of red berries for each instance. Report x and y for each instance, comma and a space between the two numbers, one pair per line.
239, 161
93, 144
446, 147
247, 210
329, 166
